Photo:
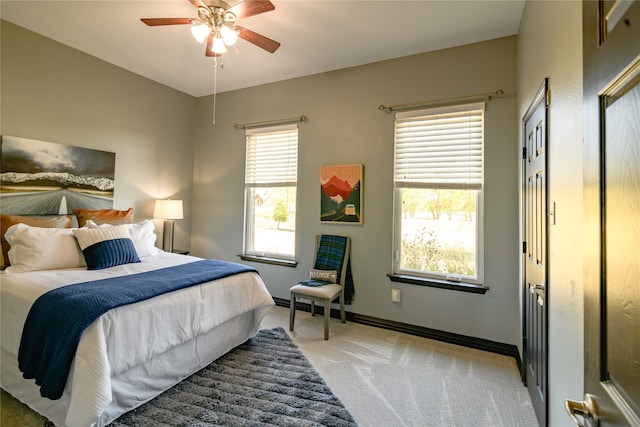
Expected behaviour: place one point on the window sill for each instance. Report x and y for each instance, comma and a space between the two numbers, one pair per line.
267, 260
442, 284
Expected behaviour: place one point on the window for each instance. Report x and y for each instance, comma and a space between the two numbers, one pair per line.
438, 175
271, 173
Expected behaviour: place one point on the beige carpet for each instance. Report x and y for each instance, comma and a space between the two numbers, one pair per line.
387, 378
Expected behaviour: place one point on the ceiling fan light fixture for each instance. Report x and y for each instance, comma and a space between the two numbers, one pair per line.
200, 32
218, 46
216, 23
229, 35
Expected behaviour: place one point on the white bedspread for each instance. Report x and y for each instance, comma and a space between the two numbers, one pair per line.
131, 335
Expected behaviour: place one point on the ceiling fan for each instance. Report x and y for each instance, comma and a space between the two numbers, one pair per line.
216, 23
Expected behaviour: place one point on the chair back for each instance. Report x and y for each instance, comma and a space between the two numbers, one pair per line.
332, 253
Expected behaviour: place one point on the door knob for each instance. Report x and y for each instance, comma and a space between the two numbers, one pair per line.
587, 409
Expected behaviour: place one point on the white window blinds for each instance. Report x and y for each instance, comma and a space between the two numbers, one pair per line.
272, 156
440, 147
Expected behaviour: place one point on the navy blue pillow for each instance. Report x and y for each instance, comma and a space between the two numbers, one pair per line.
105, 247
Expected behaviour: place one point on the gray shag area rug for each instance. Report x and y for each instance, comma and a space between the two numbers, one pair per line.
265, 381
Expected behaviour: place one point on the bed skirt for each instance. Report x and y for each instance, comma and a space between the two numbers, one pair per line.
150, 378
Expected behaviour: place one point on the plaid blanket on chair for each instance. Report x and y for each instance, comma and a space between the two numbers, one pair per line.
329, 257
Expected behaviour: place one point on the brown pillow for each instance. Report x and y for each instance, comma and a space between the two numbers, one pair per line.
103, 216
7, 221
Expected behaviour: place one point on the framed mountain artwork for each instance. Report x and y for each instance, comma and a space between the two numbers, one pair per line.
341, 194
47, 178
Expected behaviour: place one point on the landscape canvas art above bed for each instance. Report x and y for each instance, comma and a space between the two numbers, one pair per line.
46, 178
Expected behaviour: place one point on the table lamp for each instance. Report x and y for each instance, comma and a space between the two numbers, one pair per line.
168, 210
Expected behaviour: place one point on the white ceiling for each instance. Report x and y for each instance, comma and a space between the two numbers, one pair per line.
316, 35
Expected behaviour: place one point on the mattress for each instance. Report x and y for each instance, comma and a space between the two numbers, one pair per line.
134, 352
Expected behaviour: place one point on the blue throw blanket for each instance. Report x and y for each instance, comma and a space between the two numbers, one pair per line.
57, 319
330, 254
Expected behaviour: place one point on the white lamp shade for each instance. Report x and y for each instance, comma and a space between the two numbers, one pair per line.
168, 209
229, 36
218, 46
200, 32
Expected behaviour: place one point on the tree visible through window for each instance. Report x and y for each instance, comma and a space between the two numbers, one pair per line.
270, 192
438, 193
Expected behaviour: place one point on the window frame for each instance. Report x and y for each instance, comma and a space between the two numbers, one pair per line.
249, 252
429, 278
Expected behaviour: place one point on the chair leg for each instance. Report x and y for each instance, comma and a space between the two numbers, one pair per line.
292, 311
313, 308
327, 312
343, 316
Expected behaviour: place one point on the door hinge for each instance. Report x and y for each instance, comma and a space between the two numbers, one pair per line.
524, 247
524, 152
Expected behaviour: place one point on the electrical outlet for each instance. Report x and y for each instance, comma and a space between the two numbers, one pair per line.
395, 295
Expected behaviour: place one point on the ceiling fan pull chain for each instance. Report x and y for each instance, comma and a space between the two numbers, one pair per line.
215, 84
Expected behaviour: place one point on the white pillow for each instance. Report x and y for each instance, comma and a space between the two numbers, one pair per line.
326, 275
143, 236
36, 248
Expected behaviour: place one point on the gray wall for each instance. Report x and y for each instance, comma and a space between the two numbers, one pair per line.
345, 126
54, 93
550, 45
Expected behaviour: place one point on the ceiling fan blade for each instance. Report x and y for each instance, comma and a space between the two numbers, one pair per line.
251, 7
152, 22
197, 3
258, 39
209, 45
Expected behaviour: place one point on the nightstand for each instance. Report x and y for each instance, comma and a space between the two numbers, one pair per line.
180, 251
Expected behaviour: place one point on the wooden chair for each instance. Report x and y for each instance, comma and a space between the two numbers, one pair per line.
332, 253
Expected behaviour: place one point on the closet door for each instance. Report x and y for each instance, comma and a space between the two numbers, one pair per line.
611, 31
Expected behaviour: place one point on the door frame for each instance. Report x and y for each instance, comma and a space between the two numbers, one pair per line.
541, 97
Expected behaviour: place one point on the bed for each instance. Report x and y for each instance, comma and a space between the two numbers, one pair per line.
133, 352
